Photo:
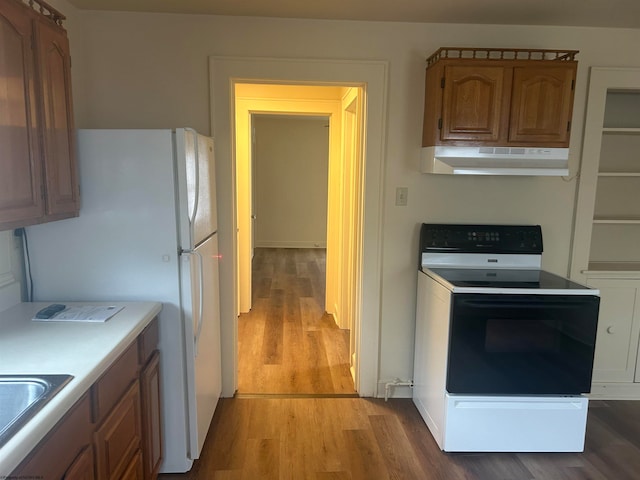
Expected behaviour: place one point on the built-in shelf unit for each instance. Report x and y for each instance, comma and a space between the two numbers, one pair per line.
606, 242
607, 233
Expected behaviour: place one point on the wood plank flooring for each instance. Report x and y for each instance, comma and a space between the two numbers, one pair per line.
287, 343
289, 347
368, 439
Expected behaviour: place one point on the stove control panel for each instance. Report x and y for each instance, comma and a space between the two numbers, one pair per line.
455, 238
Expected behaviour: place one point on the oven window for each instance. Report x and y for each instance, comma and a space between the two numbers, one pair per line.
521, 344
509, 335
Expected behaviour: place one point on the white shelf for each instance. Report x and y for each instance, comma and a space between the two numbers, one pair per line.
617, 221
619, 174
613, 269
621, 131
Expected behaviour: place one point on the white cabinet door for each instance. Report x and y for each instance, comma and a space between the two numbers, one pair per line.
618, 329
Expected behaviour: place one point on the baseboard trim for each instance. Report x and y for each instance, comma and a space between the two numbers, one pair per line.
615, 391
292, 244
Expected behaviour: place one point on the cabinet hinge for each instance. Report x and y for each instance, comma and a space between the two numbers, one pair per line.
442, 82
573, 84
568, 126
43, 192
439, 124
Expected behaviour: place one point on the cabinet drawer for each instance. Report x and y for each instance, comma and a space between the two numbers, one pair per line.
58, 450
109, 388
148, 341
117, 440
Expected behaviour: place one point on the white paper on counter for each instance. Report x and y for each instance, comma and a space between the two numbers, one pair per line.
83, 313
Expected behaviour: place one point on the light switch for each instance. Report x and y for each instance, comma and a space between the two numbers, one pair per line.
402, 196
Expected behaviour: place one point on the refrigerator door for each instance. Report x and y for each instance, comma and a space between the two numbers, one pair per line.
124, 246
197, 211
202, 317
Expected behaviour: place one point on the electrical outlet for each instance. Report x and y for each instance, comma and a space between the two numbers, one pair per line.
402, 196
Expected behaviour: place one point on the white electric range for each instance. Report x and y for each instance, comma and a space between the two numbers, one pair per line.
504, 350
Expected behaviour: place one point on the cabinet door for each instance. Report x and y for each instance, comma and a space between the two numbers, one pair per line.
62, 448
474, 103
134, 471
617, 337
117, 440
59, 143
83, 467
151, 417
541, 105
21, 179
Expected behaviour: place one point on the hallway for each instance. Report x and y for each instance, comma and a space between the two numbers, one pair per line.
287, 343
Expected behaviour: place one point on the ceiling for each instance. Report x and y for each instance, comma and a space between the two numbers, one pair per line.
589, 13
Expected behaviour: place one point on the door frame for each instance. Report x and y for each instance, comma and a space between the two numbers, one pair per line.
373, 76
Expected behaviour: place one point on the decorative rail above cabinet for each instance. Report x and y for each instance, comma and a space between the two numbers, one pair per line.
37, 149
499, 97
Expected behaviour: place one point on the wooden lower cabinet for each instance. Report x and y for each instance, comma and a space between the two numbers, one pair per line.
114, 431
83, 467
64, 449
117, 439
151, 417
135, 469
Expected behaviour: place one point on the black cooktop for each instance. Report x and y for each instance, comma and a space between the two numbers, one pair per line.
506, 278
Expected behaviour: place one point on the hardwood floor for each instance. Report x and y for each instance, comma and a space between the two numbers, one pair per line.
289, 347
368, 439
287, 343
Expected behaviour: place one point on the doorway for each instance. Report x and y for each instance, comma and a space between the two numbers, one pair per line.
299, 195
225, 73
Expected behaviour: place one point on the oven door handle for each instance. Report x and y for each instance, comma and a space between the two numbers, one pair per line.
528, 303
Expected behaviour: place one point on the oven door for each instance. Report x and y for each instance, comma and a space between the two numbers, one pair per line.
521, 344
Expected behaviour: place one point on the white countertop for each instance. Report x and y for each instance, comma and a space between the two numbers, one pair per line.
84, 350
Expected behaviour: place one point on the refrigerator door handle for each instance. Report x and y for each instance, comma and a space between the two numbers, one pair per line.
196, 339
198, 327
196, 194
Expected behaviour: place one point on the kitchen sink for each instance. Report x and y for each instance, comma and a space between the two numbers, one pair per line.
22, 396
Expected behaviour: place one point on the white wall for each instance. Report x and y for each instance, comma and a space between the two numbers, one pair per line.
291, 165
150, 70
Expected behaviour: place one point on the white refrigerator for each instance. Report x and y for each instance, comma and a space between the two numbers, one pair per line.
147, 230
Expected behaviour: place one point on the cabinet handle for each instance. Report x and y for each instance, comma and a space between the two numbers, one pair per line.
611, 329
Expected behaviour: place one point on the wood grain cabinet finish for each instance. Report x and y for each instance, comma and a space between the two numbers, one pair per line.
134, 470
118, 438
542, 104
59, 152
64, 452
498, 102
114, 431
474, 103
83, 467
151, 417
20, 155
37, 147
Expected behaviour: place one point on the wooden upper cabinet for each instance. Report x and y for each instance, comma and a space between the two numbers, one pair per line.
59, 146
473, 103
20, 182
37, 153
541, 104
499, 97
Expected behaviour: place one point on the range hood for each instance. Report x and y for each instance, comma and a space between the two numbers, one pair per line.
535, 161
